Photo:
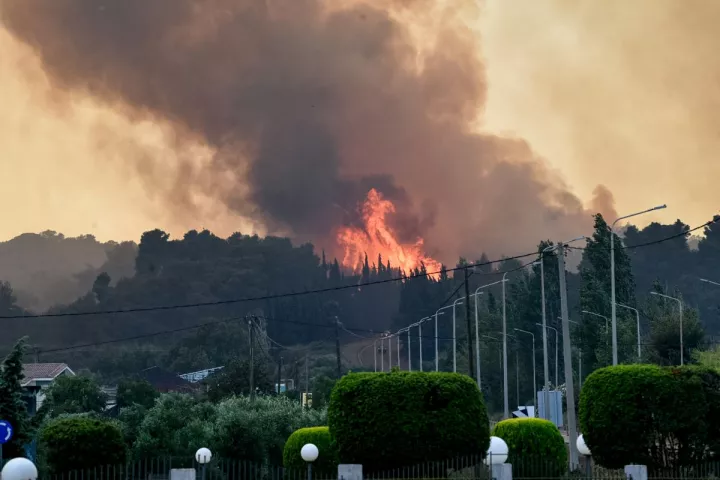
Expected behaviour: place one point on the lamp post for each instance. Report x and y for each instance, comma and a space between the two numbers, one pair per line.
556, 349
533, 366
477, 329
437, 357
579, 350
397, 347
375, 354
504, 340
309, 454
203, 457
680, 305
420, 339
637, 317
457, 302
584, 450
612, 277
710, 282
607, 320
496, 456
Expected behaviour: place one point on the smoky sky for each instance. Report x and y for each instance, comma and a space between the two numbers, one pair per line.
314, 107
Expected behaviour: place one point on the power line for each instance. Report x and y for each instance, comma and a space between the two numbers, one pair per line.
267, 297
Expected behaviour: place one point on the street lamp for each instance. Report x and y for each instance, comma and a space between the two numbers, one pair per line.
607, 320
437, 357
710, 282
504, 340
556, 349
579, 359
419, 324
309, 454
497, 453
584, 450
612, 277
477, 328
533, 367
203, 457
457, 302
637, 317
680, 305
19, 469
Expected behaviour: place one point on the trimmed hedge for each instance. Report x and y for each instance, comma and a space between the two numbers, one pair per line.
637, 414
536, 447
327, 461
79, 443
397, 419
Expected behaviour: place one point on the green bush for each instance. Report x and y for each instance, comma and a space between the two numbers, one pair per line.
82, 442
649, 415
396, 419
536, 447
327, 461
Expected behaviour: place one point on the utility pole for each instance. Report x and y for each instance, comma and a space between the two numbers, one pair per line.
252, 360
337, 347
471, 365
567, 355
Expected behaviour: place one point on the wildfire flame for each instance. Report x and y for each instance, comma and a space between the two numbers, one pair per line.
376, 238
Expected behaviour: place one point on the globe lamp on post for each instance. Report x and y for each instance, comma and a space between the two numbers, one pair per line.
203, 457
496, 457
309, 454
584, 450
19, 469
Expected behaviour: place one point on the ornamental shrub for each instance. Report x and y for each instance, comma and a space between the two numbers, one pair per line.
327, 461
81, 442
536, 447
397, 419
649, 415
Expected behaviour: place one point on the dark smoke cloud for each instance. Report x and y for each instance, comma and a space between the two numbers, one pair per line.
318, 106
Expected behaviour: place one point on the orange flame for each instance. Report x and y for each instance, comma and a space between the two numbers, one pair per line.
377, 238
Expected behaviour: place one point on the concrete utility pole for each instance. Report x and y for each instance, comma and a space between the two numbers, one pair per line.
471, 365
567, 356
546, 363
337, 348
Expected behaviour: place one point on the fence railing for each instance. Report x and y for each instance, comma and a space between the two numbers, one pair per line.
462, 468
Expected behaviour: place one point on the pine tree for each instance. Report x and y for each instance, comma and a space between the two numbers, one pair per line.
12, 406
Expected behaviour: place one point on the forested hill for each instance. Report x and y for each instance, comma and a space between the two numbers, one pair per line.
201, 268
47, 268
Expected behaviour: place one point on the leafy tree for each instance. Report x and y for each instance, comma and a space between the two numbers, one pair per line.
175, 426
130, 419
132, 391
74, 394
665, 328
80, 443
234, 379
12, 406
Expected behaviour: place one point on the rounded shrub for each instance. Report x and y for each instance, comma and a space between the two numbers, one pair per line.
327, 461
79, 443
536, 447
401, 419
650, 415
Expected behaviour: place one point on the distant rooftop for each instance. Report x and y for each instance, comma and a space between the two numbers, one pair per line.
43, 371
194, 377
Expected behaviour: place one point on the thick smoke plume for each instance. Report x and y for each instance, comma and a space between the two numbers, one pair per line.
307, 107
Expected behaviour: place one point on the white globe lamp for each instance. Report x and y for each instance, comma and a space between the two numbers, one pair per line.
19, 469
203, 456
309, 452
498, 452
582, 446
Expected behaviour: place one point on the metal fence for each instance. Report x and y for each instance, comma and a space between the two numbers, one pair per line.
462, 468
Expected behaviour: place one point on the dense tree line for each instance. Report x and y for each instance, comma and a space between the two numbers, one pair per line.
201, 267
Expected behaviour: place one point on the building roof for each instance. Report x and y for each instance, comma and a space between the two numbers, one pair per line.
43, 371
164, 380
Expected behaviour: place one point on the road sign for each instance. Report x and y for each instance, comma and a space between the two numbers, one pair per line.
6, 431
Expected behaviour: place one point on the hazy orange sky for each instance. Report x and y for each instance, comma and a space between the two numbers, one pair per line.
618, 93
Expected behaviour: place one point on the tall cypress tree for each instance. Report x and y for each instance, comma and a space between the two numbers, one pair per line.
12, 406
